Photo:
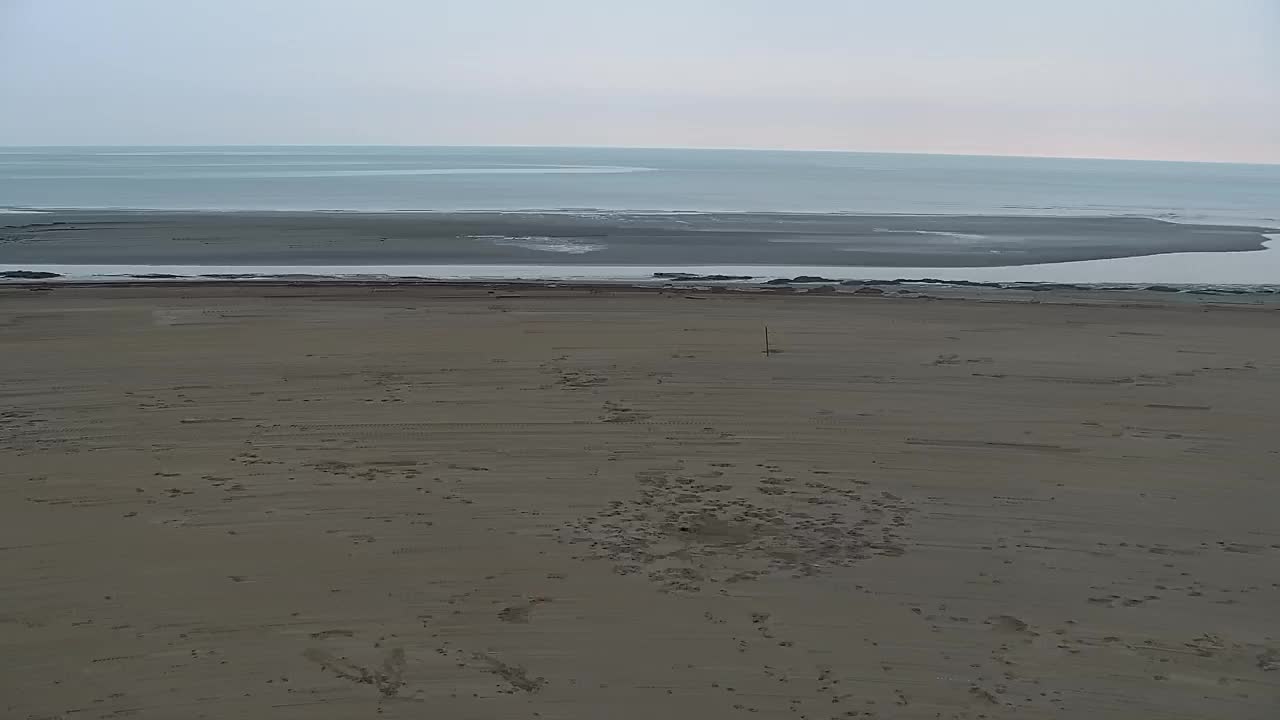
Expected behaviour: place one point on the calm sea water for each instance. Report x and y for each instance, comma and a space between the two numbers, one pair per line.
429, 178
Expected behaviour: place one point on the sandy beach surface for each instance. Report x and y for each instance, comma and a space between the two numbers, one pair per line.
467, 502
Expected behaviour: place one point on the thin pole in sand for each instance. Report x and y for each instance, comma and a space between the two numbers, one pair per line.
766, 341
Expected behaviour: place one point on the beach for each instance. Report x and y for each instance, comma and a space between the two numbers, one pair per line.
478, 501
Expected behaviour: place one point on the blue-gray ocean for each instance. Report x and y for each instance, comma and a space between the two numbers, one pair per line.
381, 179
446, 178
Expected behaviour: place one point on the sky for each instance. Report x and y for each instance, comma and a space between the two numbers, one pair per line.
1146, 79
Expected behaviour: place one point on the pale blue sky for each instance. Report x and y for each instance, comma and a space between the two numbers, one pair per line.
1163, 79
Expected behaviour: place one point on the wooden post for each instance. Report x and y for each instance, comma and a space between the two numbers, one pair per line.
766, 341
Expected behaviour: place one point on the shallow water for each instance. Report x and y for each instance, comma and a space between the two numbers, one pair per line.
1260, 269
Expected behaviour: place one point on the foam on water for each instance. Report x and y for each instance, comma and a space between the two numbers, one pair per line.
543, 244
939, 233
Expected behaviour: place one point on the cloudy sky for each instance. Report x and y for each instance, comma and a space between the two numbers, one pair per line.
1161, 79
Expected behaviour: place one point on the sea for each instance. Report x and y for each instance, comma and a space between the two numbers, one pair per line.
563, 179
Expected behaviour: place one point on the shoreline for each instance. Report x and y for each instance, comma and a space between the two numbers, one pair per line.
892, 292
902, 288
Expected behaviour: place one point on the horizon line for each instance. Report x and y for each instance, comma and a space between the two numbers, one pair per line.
651, 147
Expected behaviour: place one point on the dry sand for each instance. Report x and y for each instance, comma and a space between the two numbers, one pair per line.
342, 502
